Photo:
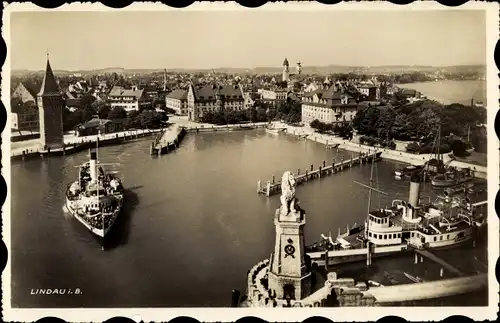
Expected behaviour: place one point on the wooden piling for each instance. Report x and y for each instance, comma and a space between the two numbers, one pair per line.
319, 172
273, 180
258, 186
306, 176
312, 167
298, 171
268, 189
324, 163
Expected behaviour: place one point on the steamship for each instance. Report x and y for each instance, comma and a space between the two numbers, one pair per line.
445, 223
96, 198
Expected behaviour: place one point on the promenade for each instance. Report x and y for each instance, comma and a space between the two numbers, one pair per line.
401, 156
428, 290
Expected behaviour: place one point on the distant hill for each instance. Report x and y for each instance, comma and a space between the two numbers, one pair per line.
330, 69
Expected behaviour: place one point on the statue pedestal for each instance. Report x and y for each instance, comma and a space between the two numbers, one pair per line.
289, 276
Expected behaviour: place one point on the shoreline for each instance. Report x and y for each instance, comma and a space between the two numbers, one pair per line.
76, 144
480, 171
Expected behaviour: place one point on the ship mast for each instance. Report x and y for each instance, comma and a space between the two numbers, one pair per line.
370, 188
97, 172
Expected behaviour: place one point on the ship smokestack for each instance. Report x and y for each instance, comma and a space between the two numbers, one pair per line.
414, 196
93, 163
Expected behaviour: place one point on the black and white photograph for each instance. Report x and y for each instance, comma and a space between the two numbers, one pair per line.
218, 161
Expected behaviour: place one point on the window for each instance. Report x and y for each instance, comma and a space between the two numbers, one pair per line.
369, 234
399, 235
385, 236
413, 234
435, 238
440, 238
447, 237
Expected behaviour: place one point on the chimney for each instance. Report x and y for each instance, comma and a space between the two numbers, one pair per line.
414, 196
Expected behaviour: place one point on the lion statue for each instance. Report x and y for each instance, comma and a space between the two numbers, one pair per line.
288, 193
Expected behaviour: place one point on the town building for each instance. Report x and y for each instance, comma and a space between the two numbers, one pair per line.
50, 107
98, 126
276, 94
129, 99
329, 106
293, 80
177, 100
14, 125
27, 117
248, 100
202, 99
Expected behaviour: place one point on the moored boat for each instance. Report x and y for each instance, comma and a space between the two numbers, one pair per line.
408, 171
463, 188
453, 177
445, 223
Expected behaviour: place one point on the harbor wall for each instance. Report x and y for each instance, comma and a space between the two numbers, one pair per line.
73, 144
230, 127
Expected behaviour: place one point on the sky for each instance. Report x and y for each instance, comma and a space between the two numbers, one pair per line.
245, 39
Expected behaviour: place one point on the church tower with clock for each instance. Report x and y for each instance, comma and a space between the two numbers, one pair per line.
289, 275
50, 108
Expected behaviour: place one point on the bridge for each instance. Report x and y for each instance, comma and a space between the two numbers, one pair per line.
272, 187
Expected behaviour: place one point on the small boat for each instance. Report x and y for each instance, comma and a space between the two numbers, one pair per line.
408, 170
452, 178
272, 131
374, 283
332, 146
413, 278
459, 188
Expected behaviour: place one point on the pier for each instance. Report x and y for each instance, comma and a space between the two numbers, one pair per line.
436, 259
272, 187
167, 140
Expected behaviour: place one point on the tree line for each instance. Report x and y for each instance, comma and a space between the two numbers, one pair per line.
420, 121
288, 111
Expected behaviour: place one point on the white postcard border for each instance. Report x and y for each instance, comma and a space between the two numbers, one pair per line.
275, 314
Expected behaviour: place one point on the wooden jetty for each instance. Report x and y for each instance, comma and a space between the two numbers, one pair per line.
272, 187
167, 140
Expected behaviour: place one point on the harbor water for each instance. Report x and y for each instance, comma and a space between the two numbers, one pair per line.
193, 222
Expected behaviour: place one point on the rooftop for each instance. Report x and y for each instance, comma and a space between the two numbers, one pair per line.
120, 91
178, 94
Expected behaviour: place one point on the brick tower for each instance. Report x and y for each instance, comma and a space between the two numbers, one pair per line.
50, 109
289, 274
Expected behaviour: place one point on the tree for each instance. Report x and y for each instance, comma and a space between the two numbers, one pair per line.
87, 100
117, 113
16, 104
132, 120
103, 111
149, 119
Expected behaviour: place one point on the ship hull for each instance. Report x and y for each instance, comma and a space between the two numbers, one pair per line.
99, 233
272, 132
356, 255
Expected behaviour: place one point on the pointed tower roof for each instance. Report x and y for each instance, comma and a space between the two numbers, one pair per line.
49, 83
285, 62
